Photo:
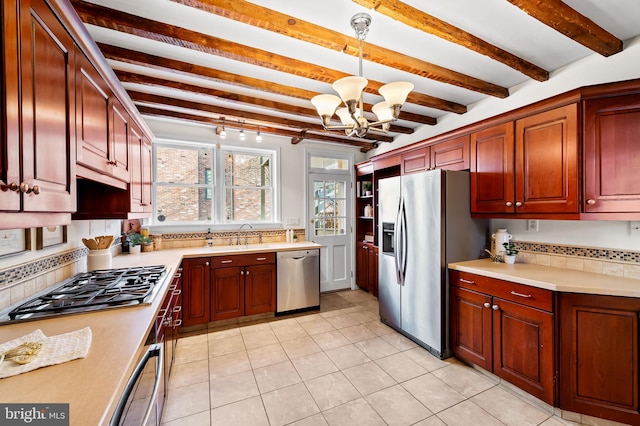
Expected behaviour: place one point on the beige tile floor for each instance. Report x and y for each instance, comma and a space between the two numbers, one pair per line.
339, 366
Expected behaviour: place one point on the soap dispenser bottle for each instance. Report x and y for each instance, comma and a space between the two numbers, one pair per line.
209, 238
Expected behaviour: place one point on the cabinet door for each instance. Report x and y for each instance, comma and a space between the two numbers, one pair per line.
372, 260
196, 295
362, 265
147, 172
547, 162
227, 297
136, 154
523, 348
10, 109
612, 154
417, 160
48, 136
471, 334
119, 140
599, 356
260, 289
92, 117
492, 170
452, 154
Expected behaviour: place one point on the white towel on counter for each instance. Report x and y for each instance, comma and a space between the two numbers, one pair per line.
55, 350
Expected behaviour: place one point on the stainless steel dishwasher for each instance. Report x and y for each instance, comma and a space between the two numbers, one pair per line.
298, 282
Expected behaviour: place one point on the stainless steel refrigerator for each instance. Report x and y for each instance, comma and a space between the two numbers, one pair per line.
424, 223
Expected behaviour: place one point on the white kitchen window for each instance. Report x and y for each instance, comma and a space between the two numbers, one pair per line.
197, 183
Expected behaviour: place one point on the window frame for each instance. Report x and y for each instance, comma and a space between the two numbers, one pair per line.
218, 188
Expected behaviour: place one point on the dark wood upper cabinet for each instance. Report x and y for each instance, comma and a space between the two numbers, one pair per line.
546, 162
527, 166
48, 137
452, 154
612, 154
492, 170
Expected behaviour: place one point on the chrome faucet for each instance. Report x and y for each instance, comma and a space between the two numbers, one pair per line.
243, 225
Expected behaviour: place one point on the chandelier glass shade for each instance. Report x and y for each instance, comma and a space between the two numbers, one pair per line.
350, 90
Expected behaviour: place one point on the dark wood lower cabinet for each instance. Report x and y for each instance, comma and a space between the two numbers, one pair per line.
196, 291
225, 287
367, 267
599, 356
498, 326
227, 297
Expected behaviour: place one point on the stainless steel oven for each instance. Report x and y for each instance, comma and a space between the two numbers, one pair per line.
143, 396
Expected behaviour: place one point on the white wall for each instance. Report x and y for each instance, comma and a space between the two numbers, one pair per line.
583, 233
292, 157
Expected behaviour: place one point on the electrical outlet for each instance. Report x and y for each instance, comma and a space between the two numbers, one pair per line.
532, 225
634, 228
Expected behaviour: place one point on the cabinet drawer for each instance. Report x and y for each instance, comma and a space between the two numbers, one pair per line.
526, 295
243, 260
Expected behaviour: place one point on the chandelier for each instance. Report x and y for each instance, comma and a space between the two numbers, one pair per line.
350, 92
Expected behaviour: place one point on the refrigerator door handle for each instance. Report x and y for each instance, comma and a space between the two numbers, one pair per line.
398, 244
404, 242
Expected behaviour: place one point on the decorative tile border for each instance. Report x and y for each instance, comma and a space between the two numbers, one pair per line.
230, 234
591, 253
12, 275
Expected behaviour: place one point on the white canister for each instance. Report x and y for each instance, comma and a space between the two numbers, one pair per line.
98, 259
498, 239
368, 210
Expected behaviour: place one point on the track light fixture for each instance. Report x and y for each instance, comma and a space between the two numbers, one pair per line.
223, 132
242, 135
258, 136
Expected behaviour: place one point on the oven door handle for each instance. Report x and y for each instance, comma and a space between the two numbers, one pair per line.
153, 351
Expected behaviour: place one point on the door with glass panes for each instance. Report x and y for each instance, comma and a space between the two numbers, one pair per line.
329, 225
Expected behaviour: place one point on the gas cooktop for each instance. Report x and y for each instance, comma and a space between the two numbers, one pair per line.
90, 291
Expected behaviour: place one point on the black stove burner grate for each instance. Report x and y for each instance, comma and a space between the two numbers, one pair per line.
92, 290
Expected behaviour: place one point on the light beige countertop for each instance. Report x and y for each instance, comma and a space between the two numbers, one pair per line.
92, 385
556, 279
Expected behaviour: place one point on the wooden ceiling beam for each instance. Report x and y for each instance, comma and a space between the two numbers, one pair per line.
238, 114
130, 77
415, 18
562, 18
164, 64
298, 136
158, 31
290, 26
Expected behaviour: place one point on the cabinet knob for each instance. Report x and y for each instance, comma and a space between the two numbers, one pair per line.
487, 304
509, 203
241, 272
518, 204
24, 188
495, 307
206, 263
35, 190
591, 201
14, 187
247, 272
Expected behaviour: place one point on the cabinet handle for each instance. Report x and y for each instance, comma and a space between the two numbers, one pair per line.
495, 307
509, 203
226, 261
487, 304
177, 323
261, 258
462, 280
591, 201
14, 187
177, 292
241, 272
247, 272
177, 308
518, 204
206, 263
24, 188
526, 296
177, 275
